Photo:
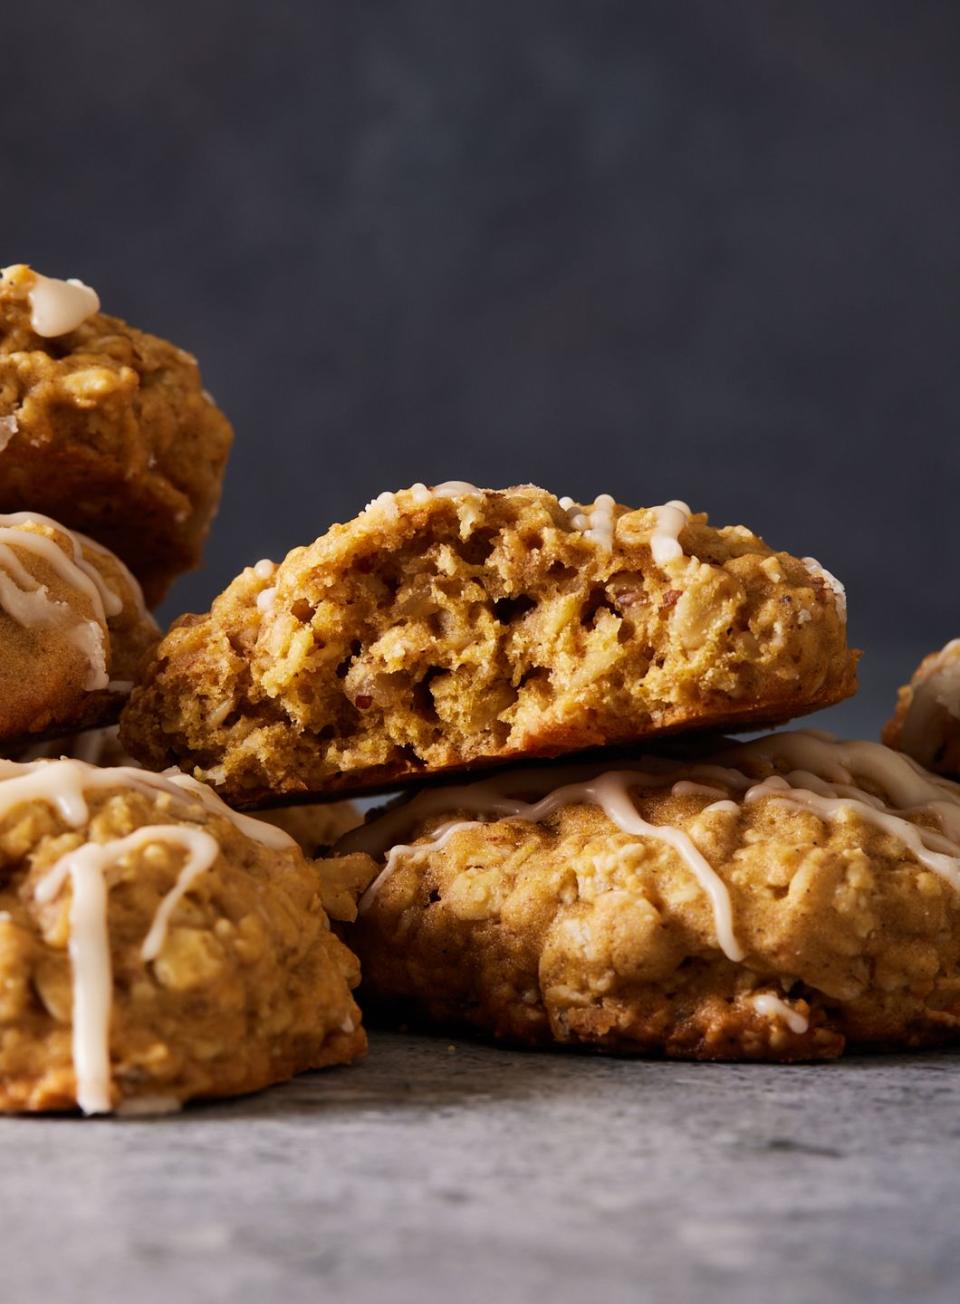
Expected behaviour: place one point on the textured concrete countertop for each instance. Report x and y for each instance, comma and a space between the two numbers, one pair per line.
476, 1174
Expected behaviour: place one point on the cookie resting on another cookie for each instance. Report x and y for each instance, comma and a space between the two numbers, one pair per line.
926, 723
155, 946
73, 629
449, 628
775, 900
106, 428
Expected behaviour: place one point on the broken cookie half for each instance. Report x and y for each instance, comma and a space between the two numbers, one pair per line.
454, 627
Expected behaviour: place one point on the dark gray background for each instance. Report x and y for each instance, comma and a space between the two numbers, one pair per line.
700, 250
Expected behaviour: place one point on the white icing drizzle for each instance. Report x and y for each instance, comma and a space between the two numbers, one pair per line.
824, 778
90, 943
834, 765
58, 307
387, 501
267, 834
831, 581
112, 601
773, 1007
686, 788
202, 850
92, 977
934, 699
933, 851
28, 602
64, 784
672, 518
609, 791
8, 428
455, 489
598, 523
75, 569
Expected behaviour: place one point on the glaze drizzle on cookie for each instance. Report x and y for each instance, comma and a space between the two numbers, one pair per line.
64, 784
90, 942
597, 523
771, 1006
609, 791
809, 772
672, 518
58, 307
28, 601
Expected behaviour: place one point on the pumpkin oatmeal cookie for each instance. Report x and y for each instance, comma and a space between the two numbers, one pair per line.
155, 946
73, 629
453, 627
777, 900
105, 428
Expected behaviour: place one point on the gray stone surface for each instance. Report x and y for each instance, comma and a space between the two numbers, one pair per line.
475, 1174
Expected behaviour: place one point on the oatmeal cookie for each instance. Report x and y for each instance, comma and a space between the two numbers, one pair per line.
73, 629
454, 627
779, 899
155, 946
105, 428
926, 723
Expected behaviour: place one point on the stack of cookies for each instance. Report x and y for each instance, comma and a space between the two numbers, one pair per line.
154, 944
578, 853
665, 890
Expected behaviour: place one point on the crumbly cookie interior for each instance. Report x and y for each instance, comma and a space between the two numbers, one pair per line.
443, 630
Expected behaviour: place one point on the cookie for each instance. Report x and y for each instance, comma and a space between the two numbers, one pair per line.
781, 899
155, 946
451, 628
105, 428
73, 629
926, 723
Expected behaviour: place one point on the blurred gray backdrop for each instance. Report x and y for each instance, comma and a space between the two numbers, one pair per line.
685, 249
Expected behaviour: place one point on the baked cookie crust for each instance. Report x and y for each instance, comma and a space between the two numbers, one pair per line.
155, 947
452, 628
109, 430
777, 900
926, 723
